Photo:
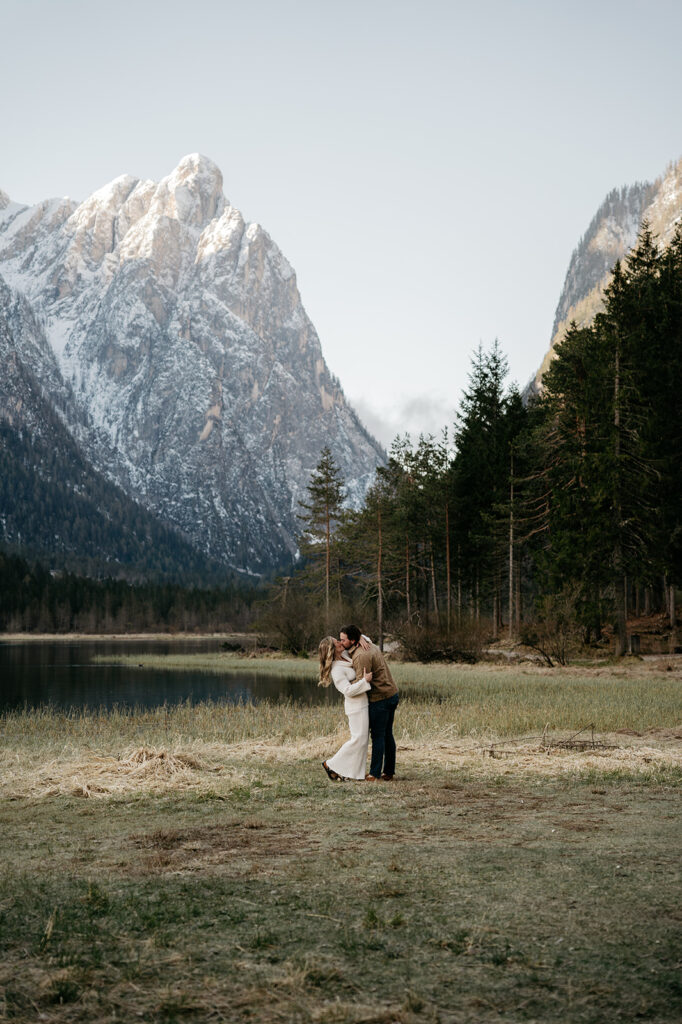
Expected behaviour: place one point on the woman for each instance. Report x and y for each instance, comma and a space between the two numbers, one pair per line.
335, 667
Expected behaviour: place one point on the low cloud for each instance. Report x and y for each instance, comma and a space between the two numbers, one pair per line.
420, 414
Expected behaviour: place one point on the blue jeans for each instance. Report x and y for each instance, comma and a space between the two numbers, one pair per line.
381, 715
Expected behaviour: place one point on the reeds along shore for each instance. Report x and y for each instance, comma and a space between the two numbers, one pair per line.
461, 700
448, 715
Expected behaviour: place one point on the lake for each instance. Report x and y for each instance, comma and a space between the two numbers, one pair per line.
64, 675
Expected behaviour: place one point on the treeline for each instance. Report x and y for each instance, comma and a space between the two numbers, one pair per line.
34, 599
56, 508
567, 509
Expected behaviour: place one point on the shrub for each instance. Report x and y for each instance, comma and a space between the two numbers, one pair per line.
556, 631
466, 642
297, 624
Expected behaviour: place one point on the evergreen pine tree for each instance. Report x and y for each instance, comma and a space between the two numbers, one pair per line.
481, 477
321, 513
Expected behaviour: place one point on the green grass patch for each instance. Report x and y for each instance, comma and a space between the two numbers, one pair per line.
437, 898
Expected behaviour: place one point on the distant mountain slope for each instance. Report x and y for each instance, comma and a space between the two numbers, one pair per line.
611, 234
53, 504
198, 381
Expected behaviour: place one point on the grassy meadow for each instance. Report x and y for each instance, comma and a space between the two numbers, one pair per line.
195, 864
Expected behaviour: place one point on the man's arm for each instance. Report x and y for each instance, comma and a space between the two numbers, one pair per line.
362, 663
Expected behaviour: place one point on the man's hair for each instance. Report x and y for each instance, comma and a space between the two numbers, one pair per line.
352, 632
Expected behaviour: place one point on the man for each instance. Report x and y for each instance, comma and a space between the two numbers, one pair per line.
383, 700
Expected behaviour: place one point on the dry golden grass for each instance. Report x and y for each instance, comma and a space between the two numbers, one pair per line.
449, 717
195, 863
89, 774
184, 764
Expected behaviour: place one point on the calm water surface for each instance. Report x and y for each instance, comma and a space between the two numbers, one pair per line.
64, 675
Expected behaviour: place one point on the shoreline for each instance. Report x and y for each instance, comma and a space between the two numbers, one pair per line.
249, 647
83, 637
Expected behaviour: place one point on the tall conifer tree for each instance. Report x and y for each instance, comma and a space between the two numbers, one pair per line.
321, 513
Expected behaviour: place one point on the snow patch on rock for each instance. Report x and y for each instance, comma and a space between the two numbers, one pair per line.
197, 379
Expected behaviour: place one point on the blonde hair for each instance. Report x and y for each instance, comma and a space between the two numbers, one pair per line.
327, 651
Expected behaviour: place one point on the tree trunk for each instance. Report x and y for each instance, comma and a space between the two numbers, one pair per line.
327, 568
407, 577
433, 581
459, 585
380, 596
621, 636
423, 571
596, 622
518, 608
447, 568
511, 548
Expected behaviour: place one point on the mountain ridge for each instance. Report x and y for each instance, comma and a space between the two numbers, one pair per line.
611, 234
181, 332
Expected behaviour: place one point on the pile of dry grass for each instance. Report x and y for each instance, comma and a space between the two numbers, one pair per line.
144, 769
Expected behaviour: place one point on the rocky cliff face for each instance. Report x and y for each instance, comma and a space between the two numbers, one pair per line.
196, 379
54, 505
611, 234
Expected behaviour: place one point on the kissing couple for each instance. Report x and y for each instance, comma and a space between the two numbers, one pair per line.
358, 669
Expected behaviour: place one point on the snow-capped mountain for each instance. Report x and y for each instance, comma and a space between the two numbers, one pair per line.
611, 234
53, 504
181, 358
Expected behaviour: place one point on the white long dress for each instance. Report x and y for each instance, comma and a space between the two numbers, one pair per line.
351, 760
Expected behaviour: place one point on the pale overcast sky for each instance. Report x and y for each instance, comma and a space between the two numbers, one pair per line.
427, 167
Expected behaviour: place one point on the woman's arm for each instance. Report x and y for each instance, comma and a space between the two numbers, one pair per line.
361, 686
350, 687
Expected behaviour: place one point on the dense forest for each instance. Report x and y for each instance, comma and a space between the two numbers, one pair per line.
35, 599
561, 515
55, 508
543, 521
